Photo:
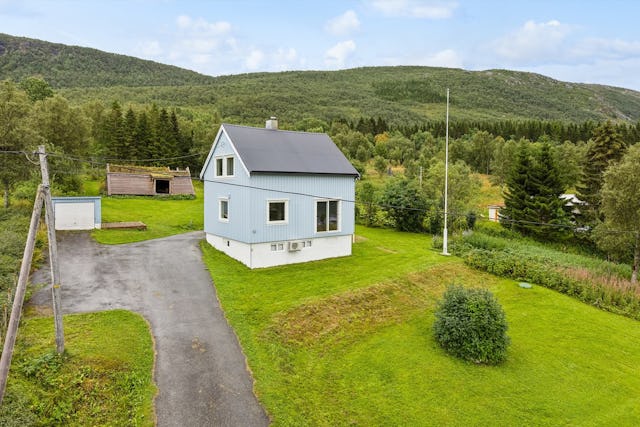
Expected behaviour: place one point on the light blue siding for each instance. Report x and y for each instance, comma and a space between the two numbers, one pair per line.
302, 192
248, 197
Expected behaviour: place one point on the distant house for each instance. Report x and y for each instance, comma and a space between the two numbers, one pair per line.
572, 203
494, 212
147, 181
275, 197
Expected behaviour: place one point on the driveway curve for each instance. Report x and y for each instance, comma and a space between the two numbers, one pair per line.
200, 371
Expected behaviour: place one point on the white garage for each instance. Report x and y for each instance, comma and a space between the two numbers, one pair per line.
77, 213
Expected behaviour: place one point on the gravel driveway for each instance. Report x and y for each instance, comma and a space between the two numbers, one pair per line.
200, 369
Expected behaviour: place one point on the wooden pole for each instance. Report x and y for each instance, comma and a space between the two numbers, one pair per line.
16, 310
53, 252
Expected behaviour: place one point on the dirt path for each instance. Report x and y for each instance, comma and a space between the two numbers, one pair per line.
200, 368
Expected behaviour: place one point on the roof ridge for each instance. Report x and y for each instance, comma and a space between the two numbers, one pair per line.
279, 130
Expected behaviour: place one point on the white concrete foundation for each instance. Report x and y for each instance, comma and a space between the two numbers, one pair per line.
260, 255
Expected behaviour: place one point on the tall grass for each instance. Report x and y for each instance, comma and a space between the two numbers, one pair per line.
592, 280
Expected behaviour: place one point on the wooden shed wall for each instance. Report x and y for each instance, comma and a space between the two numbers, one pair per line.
130, 184
144, 185
182, 185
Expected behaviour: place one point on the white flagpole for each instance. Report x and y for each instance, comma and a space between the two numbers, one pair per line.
445, 233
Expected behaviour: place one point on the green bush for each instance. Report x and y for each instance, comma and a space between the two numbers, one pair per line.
471, 324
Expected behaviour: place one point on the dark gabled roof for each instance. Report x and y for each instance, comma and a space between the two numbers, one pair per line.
281, 151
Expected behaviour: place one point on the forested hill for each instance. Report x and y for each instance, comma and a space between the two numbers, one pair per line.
73, 66
400, 95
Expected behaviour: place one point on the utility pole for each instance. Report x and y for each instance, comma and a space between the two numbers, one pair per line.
53, 251
16, 310
445, 233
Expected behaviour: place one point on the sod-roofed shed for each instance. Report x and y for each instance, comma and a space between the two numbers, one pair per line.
148, 180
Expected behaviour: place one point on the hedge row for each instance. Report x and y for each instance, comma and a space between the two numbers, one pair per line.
539, 270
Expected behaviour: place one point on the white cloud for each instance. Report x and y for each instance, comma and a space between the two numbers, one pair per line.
448, 58
534, 42
202, 26
283, 58
254, 60
620, 72
445, 58
337, 55
426, 9
149, 49
606, 48
343, 24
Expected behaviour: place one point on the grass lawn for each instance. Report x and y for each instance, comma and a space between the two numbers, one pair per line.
163, 216
349, 342
103, 378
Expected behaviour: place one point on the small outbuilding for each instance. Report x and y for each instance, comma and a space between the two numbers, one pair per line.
494, 212
148, 181
77, 213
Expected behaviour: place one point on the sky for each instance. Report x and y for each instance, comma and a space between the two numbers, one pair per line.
583, 41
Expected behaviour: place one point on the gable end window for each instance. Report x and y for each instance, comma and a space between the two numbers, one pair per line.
225, 166
327, 215
277, 211
219, 167
229, 171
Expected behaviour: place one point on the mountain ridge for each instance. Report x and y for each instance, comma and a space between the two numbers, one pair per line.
400, 94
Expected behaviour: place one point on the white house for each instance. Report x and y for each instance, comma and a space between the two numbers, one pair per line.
274, 197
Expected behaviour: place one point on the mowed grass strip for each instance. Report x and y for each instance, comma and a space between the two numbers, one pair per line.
349, 342
163, 216
105, 376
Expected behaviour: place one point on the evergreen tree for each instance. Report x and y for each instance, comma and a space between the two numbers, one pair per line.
114, 141
545, 200
607, 147
518, 209
143, 137
129, 146
532, 204
156, 145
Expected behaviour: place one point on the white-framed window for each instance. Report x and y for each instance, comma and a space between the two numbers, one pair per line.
278, 211
327, 215
223, 209
277, 247
225, 166
229, 171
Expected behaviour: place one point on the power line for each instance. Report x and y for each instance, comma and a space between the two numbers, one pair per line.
438, 210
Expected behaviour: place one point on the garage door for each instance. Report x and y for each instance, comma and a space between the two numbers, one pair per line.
74, 216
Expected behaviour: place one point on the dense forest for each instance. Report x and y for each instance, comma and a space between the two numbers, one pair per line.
401, 95
73, 66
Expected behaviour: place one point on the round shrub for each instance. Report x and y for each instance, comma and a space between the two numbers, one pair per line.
471, 324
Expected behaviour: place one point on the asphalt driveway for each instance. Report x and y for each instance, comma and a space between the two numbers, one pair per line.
200, 369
